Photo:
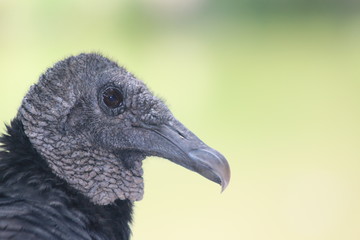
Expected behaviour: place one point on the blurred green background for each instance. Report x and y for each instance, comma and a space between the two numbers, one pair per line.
272, 84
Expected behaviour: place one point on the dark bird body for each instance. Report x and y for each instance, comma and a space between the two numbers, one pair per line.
36, 204
70, 164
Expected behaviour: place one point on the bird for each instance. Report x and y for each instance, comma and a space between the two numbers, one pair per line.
71, 158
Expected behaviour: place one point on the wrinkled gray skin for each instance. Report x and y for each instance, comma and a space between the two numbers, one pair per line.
98, 150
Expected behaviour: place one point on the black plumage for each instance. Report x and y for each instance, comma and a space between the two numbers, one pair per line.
70, 164
36, 204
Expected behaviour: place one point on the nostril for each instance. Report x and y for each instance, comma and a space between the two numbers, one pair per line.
177, 130
181, 134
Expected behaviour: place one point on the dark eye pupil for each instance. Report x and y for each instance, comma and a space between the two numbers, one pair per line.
112, 97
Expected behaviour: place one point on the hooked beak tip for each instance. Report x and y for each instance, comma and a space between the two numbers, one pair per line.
224, 184
213, 166
226, 178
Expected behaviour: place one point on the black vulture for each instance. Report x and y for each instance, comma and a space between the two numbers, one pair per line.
71, 160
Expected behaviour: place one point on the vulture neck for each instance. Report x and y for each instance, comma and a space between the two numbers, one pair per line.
22, 168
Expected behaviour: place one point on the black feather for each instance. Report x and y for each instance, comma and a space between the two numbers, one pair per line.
36, 204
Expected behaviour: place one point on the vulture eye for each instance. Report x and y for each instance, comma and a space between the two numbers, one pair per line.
112, 97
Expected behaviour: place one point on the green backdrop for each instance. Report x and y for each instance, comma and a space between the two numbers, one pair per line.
273, 85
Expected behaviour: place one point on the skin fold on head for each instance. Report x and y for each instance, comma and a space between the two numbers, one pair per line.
94, 123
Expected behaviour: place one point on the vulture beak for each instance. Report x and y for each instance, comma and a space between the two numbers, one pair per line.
187, 150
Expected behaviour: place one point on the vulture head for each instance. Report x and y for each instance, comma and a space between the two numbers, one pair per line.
94, 123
